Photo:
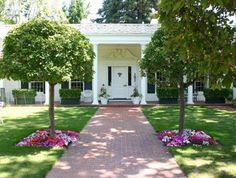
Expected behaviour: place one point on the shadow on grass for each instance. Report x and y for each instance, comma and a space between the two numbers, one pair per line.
216, 161
32, 161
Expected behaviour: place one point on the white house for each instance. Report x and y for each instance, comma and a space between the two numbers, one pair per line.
118, 47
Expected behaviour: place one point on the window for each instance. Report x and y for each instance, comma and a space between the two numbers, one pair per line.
198, 86
76, 84
151, 87
38, 86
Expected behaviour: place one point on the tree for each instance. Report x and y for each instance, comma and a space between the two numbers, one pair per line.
76, 11
126, 11
200, 38
17, 11
42, 50
204, 29
173, 65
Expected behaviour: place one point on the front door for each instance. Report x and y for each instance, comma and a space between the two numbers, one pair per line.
119, 82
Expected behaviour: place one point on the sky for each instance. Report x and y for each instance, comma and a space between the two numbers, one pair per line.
94, 6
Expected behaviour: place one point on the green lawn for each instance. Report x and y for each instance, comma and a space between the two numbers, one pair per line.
207, 161
19, 122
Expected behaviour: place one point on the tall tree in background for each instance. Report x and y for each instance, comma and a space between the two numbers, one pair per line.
126, 11
1, 10
76, 11
17, 11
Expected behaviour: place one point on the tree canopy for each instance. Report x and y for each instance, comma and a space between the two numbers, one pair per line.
42, 50
17, 11
205, 32
126, 11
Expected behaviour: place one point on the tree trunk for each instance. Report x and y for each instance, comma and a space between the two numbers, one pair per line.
51, 110
182, 108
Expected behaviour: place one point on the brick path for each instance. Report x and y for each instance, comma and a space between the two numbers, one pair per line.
117, 142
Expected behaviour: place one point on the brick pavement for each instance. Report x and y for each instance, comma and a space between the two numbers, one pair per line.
118, 142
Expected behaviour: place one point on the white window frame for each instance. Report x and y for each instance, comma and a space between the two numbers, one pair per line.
30, 85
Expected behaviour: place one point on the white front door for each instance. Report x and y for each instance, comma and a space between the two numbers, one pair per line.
119, 82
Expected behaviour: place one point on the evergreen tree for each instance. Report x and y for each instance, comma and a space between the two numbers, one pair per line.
126, 11
76, 11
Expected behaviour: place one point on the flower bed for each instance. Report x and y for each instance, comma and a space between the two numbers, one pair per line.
195, 137
41, 138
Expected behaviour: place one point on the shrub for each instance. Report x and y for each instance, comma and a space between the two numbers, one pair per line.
27, 93
212, 94
69, 93
135, 93
234, 103
167, 92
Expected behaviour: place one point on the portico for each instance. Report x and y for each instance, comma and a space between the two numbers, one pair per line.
118, 47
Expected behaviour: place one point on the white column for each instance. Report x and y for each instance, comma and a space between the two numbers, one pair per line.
1, 84
234, 93
46, 93
190, 95
143, 81
95, 75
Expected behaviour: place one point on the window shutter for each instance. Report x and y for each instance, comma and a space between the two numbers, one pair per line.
109, 75
65, 85
129, 76
24, 85
88, 86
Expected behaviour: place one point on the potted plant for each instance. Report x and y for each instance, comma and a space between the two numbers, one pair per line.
24, 96
168, 95
70, 96
216, 95
136, 97
103, 95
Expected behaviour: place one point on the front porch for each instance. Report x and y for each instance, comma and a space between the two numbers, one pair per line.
116, 68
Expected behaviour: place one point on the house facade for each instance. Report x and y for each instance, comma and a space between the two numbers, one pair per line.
118, 48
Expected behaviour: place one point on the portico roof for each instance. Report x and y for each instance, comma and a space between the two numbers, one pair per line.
108, 33
99, 29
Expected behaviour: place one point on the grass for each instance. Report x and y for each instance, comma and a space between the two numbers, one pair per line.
207, 161
19, 122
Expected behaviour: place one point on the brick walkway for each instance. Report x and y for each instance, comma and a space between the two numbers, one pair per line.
117, 142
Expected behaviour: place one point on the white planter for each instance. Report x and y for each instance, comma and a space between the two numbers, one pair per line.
103, 100
136, 100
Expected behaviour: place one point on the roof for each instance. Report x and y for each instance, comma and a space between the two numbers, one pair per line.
99, 29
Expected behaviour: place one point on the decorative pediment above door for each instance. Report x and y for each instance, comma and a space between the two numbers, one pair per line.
120, 53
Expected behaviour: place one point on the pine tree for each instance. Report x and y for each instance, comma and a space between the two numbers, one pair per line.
126, 11
76, 11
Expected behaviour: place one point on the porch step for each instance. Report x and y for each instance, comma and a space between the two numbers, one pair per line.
119, 99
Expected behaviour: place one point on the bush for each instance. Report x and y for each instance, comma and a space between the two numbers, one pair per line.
24, 96
69, 93
21, 93
234, 103
215, 94
167, 93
